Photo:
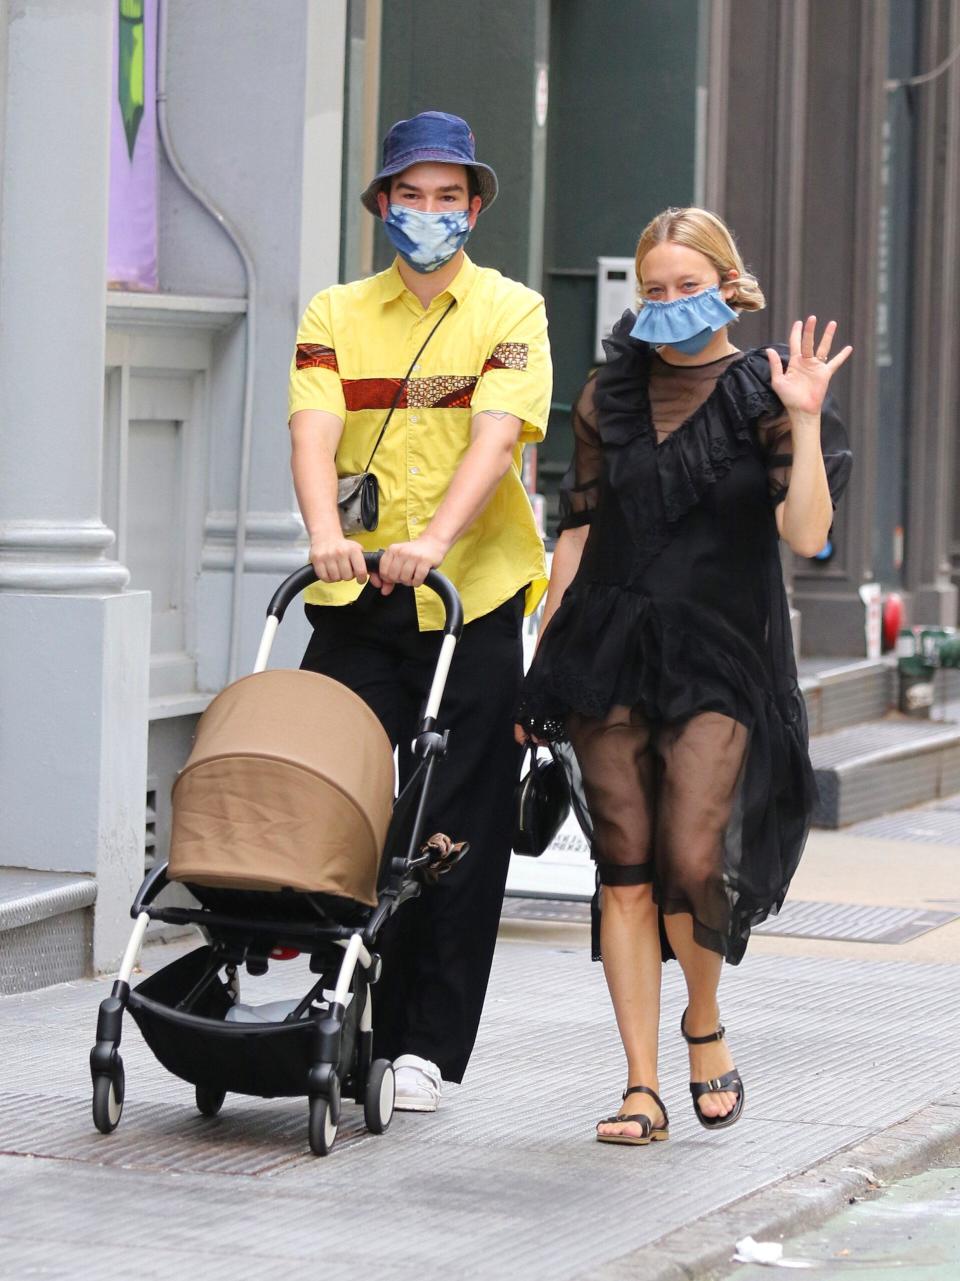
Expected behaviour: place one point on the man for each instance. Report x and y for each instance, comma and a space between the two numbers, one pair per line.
451, 497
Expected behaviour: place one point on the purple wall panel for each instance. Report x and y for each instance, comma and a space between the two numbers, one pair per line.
132, 235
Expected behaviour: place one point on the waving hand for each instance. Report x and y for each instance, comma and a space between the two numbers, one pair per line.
803, 385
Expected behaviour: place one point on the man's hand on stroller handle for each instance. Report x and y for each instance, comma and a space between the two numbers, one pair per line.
408, 563
335, 558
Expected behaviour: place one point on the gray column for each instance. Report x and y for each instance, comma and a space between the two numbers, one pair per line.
845, 113
954, 354
804, 104
715, 20
756, 178
52, 274
73, 682
935, 328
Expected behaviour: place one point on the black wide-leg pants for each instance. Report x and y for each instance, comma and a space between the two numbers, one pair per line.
438, 948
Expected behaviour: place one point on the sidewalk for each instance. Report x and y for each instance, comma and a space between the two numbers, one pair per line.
837, 1042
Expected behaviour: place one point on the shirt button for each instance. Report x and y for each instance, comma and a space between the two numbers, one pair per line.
416, 369
414, 418
414, 471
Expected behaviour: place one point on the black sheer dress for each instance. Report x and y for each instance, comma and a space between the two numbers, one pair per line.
668, 667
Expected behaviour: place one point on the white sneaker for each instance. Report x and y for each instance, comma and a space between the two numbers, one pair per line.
419, 1084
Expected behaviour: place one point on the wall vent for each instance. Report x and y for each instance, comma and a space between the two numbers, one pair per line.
150, 832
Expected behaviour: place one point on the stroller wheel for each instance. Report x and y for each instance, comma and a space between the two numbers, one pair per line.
323, 1128
108, 1094
379, 1096
209, 1100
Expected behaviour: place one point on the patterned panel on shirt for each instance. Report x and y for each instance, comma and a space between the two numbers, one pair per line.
312, 355
444, 391
507, 355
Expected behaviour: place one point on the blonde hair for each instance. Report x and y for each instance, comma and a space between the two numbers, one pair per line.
702, 230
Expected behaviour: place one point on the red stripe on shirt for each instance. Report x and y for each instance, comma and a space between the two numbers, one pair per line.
372, 393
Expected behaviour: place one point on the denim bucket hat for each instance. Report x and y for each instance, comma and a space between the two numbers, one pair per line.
433, 135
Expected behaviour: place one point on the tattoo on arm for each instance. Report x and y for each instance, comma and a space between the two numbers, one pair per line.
497, 413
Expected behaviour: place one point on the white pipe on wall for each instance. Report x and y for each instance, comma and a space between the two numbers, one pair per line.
246, 433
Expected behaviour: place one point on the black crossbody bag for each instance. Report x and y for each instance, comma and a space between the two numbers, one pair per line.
358, 495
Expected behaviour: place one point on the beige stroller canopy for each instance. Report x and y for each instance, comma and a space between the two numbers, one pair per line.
289, 785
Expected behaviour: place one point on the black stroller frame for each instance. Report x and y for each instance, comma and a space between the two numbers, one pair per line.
323, 1047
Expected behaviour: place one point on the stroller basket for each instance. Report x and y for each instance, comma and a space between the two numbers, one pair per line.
269, 1060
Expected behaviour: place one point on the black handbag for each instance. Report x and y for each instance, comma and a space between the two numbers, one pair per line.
541, 805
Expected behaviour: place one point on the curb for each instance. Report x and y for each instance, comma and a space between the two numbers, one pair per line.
704, 1250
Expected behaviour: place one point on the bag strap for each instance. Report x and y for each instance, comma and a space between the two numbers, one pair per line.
406, 379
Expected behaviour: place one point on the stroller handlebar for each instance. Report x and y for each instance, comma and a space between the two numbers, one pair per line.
305, 577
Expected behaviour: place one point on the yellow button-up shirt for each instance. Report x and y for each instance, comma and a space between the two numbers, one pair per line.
354, 345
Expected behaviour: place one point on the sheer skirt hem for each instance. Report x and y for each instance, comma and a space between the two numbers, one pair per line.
731, 943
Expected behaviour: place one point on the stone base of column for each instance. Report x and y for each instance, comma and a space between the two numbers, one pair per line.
58, 556
73, 754
833, 624
935, 605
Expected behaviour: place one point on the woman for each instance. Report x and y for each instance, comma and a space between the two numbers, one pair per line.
665, 658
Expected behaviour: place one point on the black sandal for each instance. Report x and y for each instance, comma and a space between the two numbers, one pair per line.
650, 1133
729, 1082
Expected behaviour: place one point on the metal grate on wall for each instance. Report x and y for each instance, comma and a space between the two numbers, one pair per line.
150, 828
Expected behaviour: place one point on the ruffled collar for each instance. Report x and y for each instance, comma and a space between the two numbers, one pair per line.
741, 395
690, 461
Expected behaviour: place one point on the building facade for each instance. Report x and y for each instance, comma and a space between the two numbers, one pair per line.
825, 132
146, 508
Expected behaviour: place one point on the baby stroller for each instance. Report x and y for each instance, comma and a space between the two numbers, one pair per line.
286, 832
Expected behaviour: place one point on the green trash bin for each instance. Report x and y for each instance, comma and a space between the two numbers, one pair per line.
916, 674
949, 652
931, 640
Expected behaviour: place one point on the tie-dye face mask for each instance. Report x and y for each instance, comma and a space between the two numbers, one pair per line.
426, 240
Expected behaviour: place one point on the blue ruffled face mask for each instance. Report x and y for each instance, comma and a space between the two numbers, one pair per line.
426, 240
687, 324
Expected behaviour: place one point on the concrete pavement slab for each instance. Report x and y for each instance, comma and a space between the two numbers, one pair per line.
832, 1050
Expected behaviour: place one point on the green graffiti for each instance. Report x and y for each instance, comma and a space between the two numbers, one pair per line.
131, 89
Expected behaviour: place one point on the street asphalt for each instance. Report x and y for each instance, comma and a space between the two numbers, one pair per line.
909, 1229
848, 1051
